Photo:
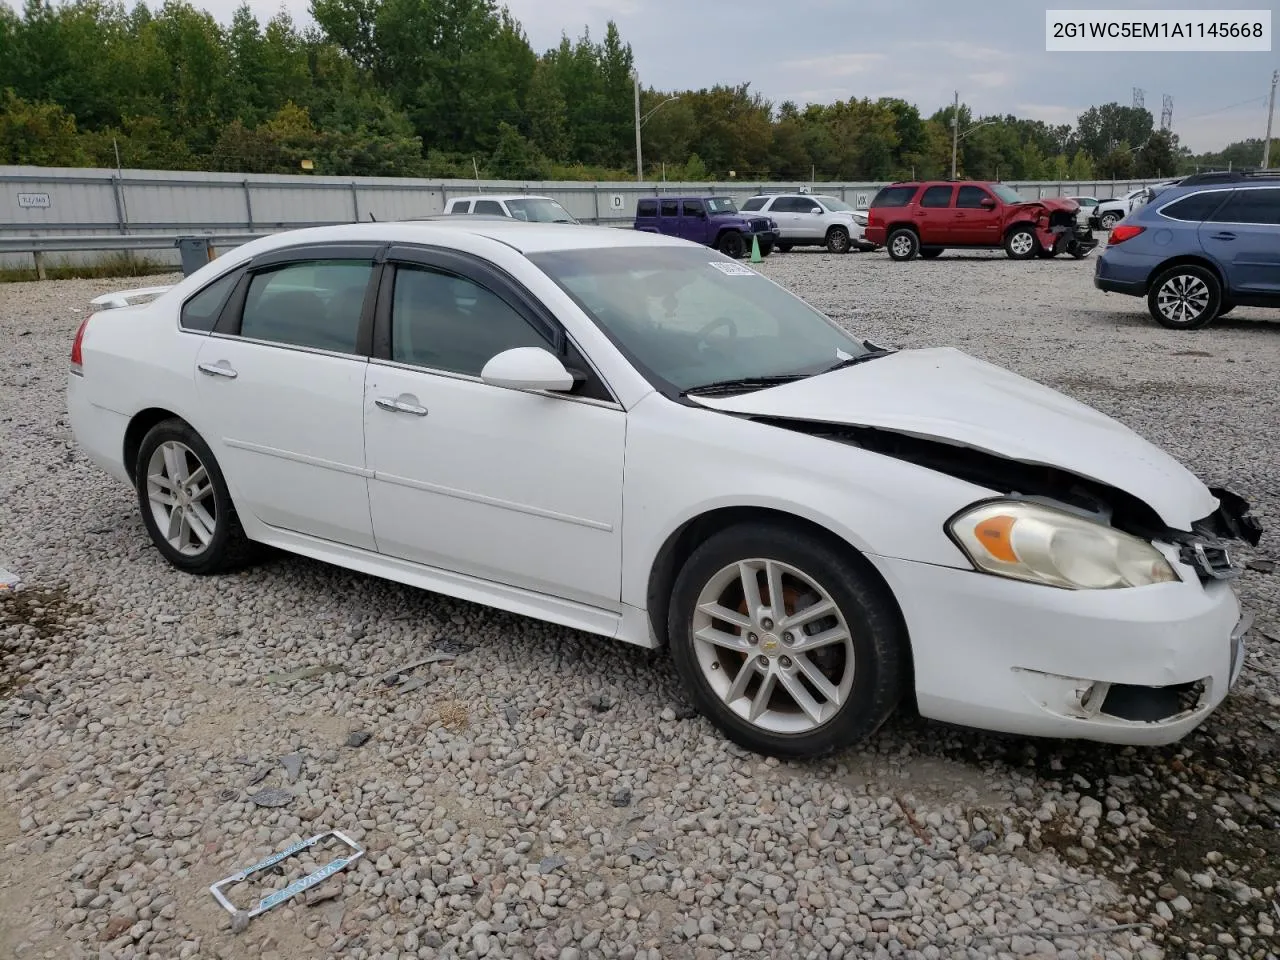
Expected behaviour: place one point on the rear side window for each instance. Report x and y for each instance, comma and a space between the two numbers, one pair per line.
200, 313
1195, 208
893, 197
670, 208
755, 203
313, 303
647, 208
460, 206
1251, 206
936, 197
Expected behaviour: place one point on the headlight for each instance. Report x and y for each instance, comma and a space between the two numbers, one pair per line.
1027, 541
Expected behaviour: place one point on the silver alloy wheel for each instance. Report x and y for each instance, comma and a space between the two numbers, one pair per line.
1022, 243
181, 495
774, 646
901, 246
1109, 220
1183, 298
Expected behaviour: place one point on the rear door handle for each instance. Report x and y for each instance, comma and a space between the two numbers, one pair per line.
395, 405
1222, 236
219, 369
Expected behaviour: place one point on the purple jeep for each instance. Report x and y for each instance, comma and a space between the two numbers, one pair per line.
714, 221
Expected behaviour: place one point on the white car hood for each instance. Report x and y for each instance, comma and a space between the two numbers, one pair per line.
945, 394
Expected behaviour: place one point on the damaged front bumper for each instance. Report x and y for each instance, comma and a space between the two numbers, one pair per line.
1067, 238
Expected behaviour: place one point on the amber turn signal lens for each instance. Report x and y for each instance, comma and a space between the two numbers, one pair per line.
996, 536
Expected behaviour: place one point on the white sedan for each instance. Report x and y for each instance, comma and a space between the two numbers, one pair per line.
638, 437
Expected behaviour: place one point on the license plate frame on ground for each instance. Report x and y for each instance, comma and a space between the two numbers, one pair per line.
295, 888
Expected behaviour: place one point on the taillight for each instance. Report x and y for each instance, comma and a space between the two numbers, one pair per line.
1122, 232
77, 358
873, 218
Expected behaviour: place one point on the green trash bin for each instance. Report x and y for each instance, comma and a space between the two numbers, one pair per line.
195, 252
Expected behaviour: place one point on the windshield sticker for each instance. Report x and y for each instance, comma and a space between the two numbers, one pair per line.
732, 269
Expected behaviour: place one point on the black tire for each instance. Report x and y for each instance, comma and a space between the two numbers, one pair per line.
931, 253
766, 249
784, 248
1016, 238
1046, 253
1227, 307
838, 240
903, 244
1077, 252
732, 244
1195, 297
228, 548
880, 647
1109, 220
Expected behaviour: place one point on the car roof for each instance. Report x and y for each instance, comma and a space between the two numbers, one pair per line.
521, 235
502, 196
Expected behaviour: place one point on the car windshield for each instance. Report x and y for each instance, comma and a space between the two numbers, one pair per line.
691, 317
538, 210
836, 206
721, 205
1007, 193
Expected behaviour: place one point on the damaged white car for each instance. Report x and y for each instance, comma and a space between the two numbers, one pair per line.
638, 437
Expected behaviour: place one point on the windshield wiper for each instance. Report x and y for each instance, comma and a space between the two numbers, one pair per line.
744, 384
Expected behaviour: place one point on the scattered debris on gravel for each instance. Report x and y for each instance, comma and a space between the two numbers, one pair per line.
546, 794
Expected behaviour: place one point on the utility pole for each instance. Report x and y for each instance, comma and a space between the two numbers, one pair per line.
955, 133
1271, 109
635, 77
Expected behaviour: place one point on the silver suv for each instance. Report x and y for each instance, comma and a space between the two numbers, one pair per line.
806, 219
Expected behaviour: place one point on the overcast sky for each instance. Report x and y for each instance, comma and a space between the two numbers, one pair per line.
920, 50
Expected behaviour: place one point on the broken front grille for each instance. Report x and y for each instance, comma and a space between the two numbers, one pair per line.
1211, 561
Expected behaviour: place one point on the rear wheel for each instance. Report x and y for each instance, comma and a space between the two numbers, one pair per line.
186, 506
785, 642
732, 245
903, 244
1020, 243
931, 253
1185, 297
838, 240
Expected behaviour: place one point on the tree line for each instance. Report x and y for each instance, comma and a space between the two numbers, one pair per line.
453, 88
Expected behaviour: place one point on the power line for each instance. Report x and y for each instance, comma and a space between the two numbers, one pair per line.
1208, 113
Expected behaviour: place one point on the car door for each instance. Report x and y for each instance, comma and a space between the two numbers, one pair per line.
1244, 236
669, 217
693, 221
515, 487
976, 224
934, 215
783, 211
281, 387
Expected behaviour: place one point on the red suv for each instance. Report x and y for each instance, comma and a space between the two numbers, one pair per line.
926, 218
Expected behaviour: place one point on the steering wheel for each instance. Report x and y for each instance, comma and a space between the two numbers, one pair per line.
715, 324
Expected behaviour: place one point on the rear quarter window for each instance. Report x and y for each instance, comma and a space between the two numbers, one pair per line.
647, 208
893, 197
1195, 208
201, 312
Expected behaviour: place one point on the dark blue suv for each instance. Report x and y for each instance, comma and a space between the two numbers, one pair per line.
1199, 249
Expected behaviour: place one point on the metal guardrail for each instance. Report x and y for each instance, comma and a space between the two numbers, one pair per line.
139, 241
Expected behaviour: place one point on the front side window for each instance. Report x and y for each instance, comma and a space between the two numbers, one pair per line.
446, 322
200, 313
691, 318
790, 204
312, 303
692, 208
491, 207
971, 198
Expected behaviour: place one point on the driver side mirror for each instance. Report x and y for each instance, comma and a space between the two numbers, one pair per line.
987, 203
816, 211
527, 368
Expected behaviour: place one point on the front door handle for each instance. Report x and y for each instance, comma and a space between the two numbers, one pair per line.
1222, 236
396, 405
219, 369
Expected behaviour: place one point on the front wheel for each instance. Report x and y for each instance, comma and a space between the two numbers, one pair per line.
766, 249
732, 245
185, 503
1109, 220
1021, 243
1185, 297
785, 642
784, 248
838, 240
903, 244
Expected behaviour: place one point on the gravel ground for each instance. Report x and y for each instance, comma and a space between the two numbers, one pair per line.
545, 794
